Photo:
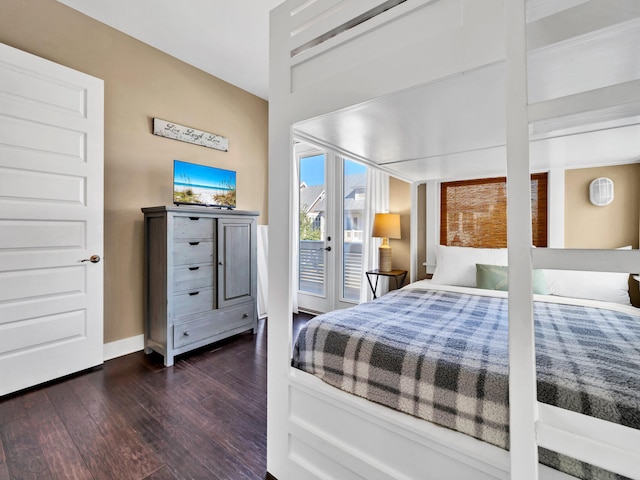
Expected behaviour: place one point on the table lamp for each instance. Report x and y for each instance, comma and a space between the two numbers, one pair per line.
385, 226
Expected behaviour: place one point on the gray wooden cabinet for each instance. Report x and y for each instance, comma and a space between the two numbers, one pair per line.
201, 275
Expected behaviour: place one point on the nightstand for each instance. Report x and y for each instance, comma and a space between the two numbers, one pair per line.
396, 274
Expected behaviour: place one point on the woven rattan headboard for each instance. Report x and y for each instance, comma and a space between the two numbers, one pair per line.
474, 212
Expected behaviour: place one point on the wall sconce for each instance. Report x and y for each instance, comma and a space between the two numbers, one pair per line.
385, 226
601, 191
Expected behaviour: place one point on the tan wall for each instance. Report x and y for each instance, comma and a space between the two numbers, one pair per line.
422, 231
611, 226
400, 202
141, 83
587, 226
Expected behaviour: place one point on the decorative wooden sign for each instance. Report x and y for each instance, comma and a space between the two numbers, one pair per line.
190, 135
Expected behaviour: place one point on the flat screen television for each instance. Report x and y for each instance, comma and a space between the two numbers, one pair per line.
195, 184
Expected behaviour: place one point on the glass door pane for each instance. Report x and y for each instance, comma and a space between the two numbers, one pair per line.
353, 188
312, 215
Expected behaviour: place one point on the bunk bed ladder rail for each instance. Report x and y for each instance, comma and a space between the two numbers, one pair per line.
532, 424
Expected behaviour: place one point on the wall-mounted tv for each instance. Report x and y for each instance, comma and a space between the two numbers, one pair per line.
195, 184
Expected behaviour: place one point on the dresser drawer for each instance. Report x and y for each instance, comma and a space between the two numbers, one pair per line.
219, 322
196, 301
192, 278
194, 227
190, 252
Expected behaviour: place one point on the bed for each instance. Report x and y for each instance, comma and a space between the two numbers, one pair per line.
432, 91
440, 353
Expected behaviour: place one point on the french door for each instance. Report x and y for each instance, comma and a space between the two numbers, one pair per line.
330, 219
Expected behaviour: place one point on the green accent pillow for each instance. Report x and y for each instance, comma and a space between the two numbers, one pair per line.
496, 277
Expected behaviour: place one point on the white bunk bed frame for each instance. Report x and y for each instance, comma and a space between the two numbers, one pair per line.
320, 63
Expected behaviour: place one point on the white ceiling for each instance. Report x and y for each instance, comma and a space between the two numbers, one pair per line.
228, 39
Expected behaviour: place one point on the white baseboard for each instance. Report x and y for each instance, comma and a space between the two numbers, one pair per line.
123, 347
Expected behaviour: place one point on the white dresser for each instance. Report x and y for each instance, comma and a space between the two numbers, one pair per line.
201, 275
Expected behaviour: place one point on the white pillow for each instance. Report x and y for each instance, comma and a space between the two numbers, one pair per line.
604, 286
457, 265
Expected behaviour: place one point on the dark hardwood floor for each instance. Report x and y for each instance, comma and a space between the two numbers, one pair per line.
203, 418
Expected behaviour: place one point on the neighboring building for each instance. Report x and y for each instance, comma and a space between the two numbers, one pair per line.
313, 205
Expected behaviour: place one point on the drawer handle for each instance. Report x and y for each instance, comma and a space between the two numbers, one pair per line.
194, 243
193, 293
186, 333
245, 315
194, 218
193, 268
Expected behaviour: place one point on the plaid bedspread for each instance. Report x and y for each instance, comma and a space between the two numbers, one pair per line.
443, 356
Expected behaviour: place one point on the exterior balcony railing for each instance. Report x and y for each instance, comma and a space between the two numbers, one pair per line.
312, 268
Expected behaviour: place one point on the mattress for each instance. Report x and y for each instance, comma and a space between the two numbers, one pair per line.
441, 354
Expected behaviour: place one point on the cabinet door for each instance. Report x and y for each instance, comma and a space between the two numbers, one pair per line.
236, 260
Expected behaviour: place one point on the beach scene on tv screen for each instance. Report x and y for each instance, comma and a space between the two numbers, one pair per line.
200, 184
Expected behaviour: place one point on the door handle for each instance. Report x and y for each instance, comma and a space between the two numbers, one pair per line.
328, 249
92, 259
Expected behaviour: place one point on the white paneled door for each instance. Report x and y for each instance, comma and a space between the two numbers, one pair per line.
51, 220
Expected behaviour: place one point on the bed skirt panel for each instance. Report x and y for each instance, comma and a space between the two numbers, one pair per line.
333, 434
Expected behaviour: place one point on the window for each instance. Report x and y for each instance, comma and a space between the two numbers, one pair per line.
474, 212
